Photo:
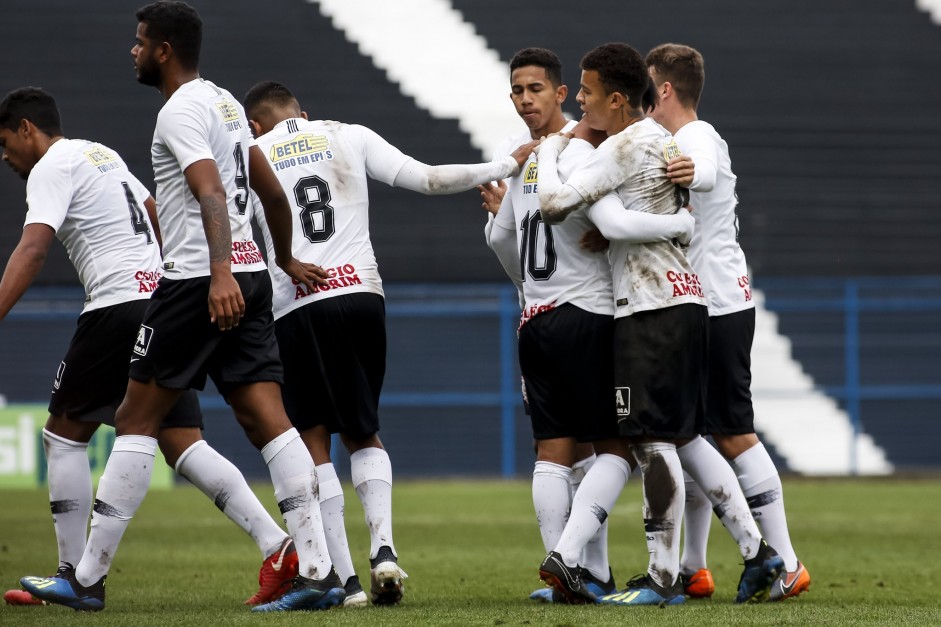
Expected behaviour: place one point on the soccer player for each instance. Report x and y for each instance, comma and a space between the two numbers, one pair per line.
210, 315
566, 328
678, 72
333, 337
83, 193
660, 324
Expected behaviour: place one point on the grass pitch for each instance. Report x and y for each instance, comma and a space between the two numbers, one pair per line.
472, 551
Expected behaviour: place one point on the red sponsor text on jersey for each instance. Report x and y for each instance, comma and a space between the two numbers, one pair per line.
337, 278
246, 252
684, 283
147, 280
743, 283
533, 310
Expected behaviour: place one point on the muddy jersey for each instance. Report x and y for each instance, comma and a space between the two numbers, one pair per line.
714, 250
323, 167
633, 163
554, 267
85, 192
202, 121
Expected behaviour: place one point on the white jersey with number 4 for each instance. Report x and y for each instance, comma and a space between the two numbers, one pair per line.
323, 167
202, 121
85, 192
633, 162
554, 267
714, 250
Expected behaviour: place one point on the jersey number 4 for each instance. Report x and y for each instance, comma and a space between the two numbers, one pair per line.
138, 221
312, 195
532, 227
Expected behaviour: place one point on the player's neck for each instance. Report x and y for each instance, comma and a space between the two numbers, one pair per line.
175, 79
680, 119
555, 125
622, 119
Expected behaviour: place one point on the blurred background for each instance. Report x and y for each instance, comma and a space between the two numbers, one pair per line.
830, 111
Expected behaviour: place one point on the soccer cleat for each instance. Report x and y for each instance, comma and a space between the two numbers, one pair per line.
355, 596
386, 578
790, 584
566, 580
546, 595
21, 597
308, 594
698, 585
643, 590
760, 573
276, 574
64, 589
596, 586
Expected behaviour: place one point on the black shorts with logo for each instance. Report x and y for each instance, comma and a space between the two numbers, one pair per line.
660, 372
92, 379
334, 354
567, 362
728, 395
178, 346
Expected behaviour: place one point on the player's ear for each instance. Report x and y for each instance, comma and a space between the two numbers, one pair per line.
561, 93
256, 128
304, 115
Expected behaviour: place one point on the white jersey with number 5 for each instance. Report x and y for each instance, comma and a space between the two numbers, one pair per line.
323, 167
202, 121
646, 276
85, 192
554, 267
714, 250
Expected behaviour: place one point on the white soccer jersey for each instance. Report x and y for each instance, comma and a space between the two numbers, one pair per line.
323, 167
554, 267
646, 276
202, 121
714, 251
85, 192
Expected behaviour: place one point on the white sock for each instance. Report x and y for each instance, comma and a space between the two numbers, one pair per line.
334, 526
595, 554
121, 490
664, 502
70, 494
697, 518
295, 488
552, 500
761, 484
371, 471
709, 469
221, 481
596, 496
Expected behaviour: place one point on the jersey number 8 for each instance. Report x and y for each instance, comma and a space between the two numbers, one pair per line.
312, 195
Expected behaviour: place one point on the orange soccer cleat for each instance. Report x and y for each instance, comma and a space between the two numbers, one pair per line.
698, 585
790, 584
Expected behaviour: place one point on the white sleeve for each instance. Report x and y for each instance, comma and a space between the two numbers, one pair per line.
703, 151
452, 178
184, 129
501, 238
556, 199
638, 227
48, 194
383, 160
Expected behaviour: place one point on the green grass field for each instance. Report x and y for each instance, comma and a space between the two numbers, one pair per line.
472, 551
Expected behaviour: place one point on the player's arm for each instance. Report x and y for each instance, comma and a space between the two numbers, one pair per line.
150, 205
638, 227
453, 178
266, 186
491, 195
704, 155
500, 233
25, 262
556, 199
226, 305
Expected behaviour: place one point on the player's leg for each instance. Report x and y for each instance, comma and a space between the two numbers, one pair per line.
594, 561
697, 518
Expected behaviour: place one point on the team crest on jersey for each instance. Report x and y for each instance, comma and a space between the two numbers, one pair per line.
143, 340
671, 150
531, 170
622, 402
302, 148
58, 380
102, 158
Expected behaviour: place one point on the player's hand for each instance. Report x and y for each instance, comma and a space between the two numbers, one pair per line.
308, 274
593, 241
680, 170
491, 195
226, 305
557, 142
522, 153
689, 224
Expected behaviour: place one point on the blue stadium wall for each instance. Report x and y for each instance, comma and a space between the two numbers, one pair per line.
830, 110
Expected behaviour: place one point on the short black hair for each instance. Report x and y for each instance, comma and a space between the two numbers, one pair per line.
539, 57
33, 104
621, 68
178, 24
267, 92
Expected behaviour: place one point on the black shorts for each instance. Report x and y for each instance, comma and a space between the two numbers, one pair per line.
567, 361
334, 354
728, 394
660, 372
92, 379
177, 345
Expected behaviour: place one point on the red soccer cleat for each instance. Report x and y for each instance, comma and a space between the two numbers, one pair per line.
276, 574
21, 597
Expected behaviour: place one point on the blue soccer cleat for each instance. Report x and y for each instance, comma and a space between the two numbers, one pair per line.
308, 594
759, 575
643, 590
546, 595
64, 589
593, 584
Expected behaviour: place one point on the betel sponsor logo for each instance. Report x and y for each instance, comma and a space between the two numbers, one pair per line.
685, 284
144, 335
337, 278
230, 115
622, 402
102, 158
301, 149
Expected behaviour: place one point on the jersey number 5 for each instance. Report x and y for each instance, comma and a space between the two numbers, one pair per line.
312, 195
138, 221
532, 226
